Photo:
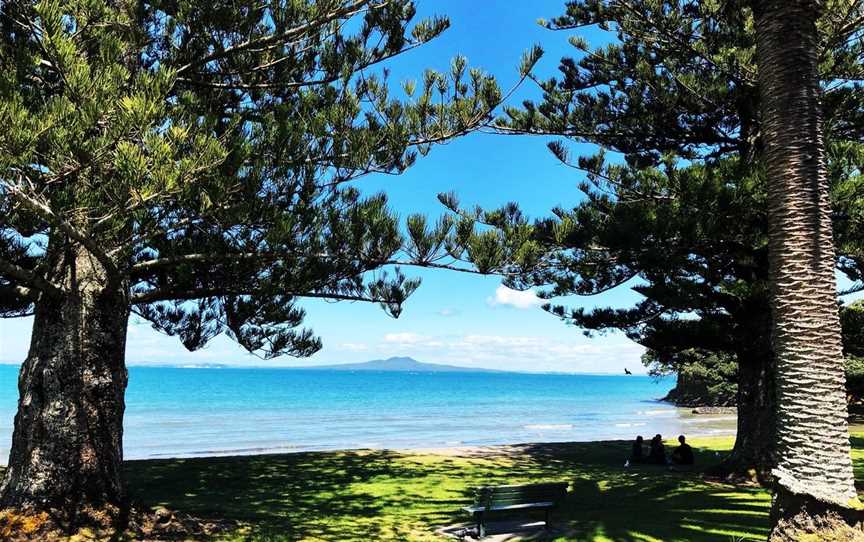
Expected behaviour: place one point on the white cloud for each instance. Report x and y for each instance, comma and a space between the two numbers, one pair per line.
520, 299
448, 312
569, 353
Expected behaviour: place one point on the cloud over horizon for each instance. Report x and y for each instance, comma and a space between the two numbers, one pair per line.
526, 299
609, 354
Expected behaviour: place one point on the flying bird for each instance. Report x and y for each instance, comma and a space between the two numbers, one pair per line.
627, 371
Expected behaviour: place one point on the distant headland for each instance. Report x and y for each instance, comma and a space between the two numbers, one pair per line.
393, 364
399, 364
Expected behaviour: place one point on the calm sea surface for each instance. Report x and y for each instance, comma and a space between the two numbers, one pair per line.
173, 412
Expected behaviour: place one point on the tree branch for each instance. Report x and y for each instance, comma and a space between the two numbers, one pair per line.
22, 292
153, 296
295, 84
141, 269
28, 278
48, 214
352, 9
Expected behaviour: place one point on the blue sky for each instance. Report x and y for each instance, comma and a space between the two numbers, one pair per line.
453, 317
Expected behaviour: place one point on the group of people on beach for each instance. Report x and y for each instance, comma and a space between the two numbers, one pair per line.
682, 455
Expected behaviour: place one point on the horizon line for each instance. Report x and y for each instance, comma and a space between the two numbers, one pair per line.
330, 366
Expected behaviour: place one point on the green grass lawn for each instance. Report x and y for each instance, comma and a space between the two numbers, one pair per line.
384, 495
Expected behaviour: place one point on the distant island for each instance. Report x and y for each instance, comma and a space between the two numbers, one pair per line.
398, 364
394, 364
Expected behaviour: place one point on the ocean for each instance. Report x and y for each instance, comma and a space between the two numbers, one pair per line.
187, 412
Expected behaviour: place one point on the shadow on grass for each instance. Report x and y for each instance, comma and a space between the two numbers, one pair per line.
608, 502
385, 495
284, 497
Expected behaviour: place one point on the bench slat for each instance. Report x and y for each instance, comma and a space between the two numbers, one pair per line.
526, 489
473, 509
521, 493
507, 502
524, 486
524, 496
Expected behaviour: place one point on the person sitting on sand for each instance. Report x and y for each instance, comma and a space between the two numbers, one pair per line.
638, 455
657, 454
683, 454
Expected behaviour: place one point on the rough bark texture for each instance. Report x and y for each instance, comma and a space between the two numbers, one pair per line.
798, 518
753, 455
813, 450
67, 444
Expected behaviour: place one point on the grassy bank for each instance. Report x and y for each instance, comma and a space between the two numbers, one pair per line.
385, 495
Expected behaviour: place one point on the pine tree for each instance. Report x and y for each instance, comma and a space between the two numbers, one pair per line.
191, 163
677, 212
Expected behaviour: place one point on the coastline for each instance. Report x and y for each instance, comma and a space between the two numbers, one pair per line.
181, 413
699, 426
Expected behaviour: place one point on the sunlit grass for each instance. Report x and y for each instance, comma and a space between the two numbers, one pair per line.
385, 495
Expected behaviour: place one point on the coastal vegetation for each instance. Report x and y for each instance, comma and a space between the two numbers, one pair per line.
712, 99
708, 378
193, 165
677, 209
704, 378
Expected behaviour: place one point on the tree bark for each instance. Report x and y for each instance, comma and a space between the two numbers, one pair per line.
753, 455
67, 452
813, 451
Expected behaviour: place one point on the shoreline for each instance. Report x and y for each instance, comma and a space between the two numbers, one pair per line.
698, 426
202, 413
466, 452
692, 425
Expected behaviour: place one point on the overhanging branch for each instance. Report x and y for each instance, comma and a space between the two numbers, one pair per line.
153, 296
142, 269
27, 278
269, 41
43, 210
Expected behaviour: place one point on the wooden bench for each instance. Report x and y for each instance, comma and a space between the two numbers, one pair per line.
487, 499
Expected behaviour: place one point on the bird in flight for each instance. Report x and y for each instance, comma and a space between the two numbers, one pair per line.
627, 371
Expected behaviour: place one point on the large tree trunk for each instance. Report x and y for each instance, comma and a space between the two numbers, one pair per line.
815, 483
67, 450
752, 456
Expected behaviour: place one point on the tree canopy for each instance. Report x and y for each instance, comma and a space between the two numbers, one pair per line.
675, 197
194, 164
203, 154
674, 200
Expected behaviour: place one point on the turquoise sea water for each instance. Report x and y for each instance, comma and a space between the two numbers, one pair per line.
175, 412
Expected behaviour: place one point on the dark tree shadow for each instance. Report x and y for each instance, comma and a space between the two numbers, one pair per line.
384, 495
